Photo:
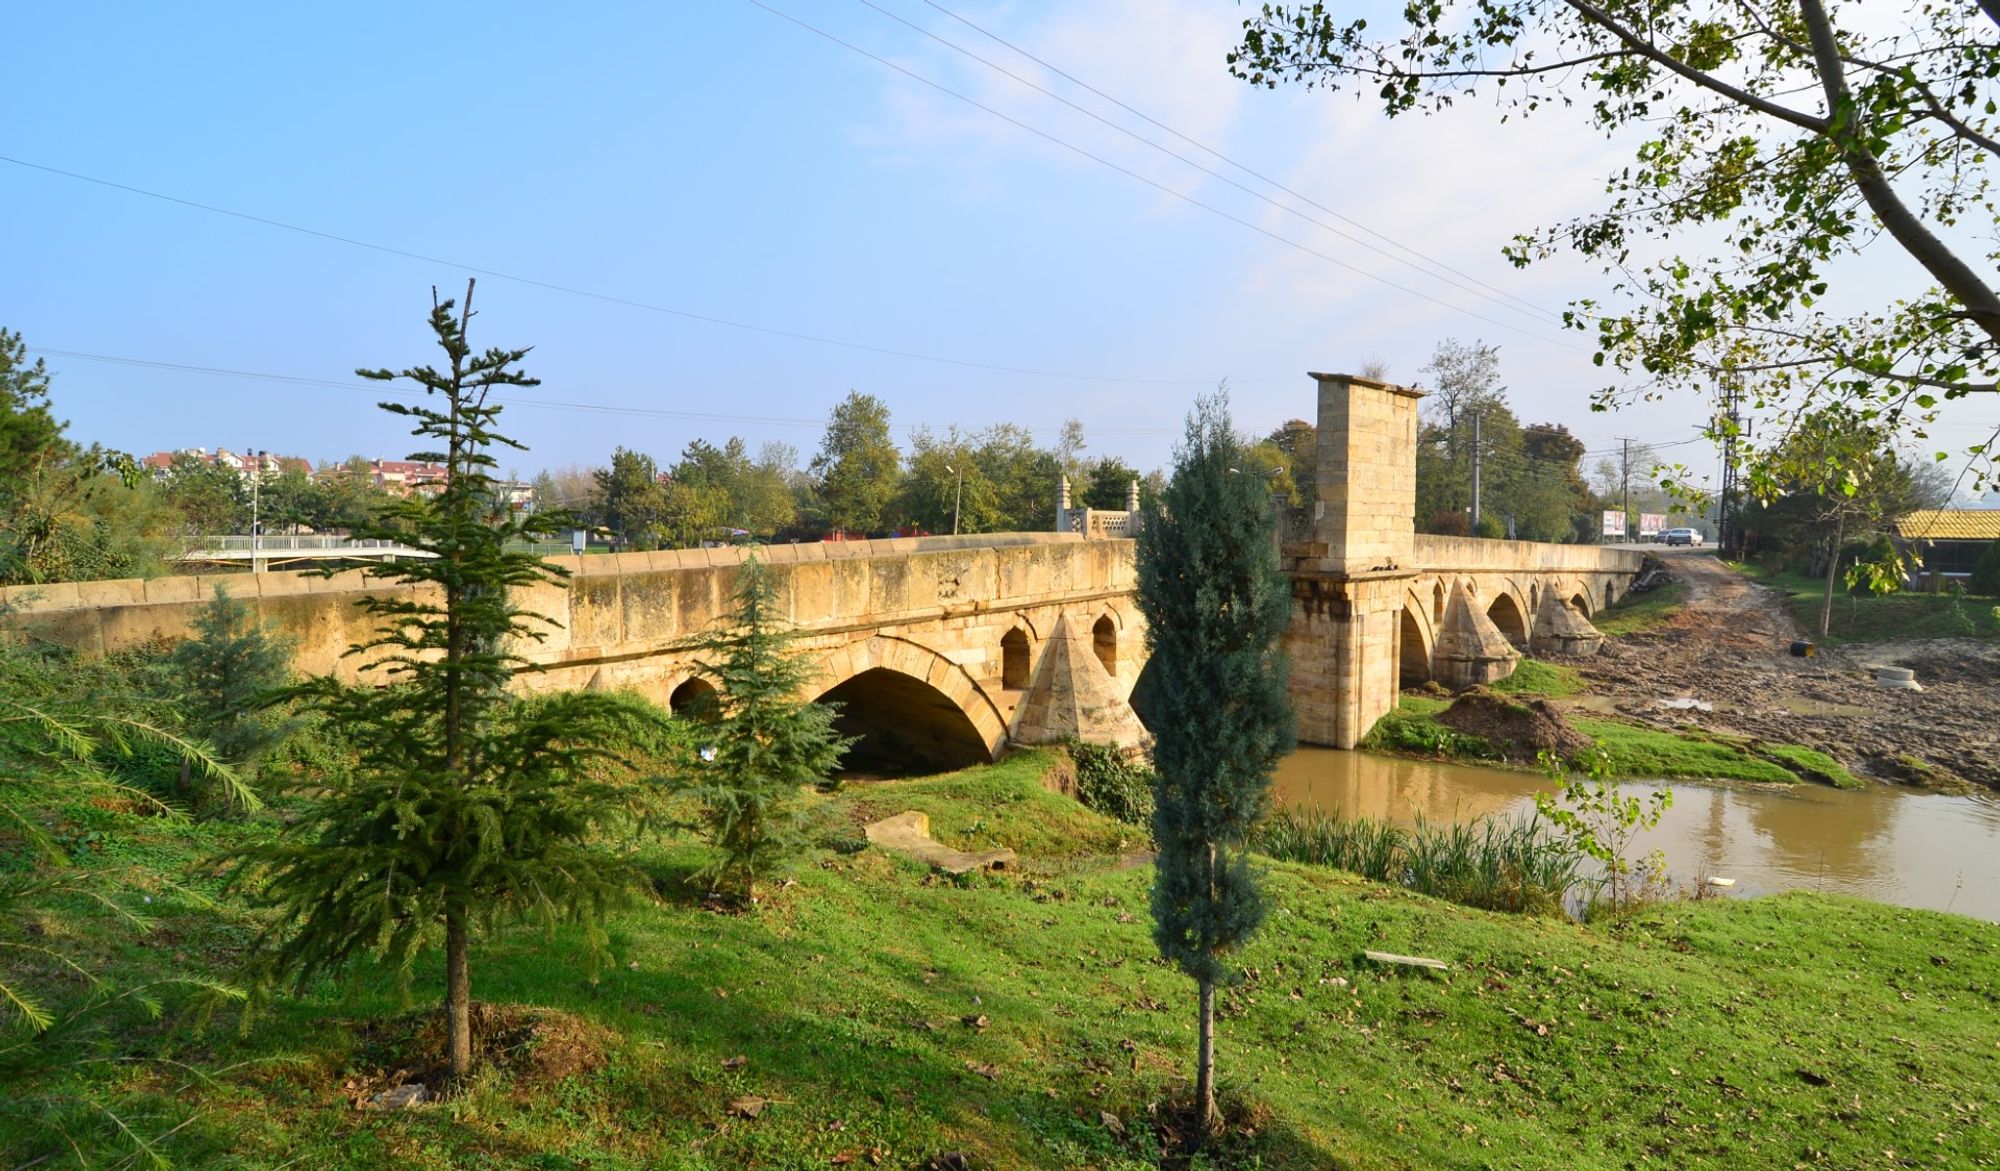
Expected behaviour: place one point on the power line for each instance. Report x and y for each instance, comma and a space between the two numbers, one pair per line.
1502, 299
613, 299
1158, 186
379, 389
1246, 169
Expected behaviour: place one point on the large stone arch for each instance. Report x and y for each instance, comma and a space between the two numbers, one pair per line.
909, 704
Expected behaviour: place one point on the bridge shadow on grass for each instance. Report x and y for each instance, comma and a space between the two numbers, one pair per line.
882, 1015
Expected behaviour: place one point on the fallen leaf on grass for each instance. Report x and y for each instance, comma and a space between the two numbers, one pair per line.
1112, 1122
736, 1062
985, 1069
748, 1106
976, 1020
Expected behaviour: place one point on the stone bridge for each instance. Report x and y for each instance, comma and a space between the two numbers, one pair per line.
940, 649
943, 650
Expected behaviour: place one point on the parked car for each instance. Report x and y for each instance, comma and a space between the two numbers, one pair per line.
1681, 537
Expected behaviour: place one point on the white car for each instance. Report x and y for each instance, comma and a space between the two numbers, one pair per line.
1681, 537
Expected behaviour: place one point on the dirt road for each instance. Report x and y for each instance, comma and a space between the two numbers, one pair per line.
1729, 647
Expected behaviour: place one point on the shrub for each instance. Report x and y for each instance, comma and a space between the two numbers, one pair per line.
1986, 572
1113, 782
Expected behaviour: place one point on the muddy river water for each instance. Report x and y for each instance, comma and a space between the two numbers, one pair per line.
1910, 848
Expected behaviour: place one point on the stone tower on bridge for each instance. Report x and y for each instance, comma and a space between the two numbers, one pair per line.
1349, 579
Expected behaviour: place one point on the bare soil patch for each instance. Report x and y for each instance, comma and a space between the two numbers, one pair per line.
1522, 730
1729, 647
531, 1048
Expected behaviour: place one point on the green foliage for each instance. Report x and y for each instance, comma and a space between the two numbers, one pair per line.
765, 744
857, 464
1782, 140
1596, 817
467, 807
1985, 579
1495, 864
1215, 606
1413, 732
211, 497
1113, 782
1638, 613
227, 673
29, 432
631, 500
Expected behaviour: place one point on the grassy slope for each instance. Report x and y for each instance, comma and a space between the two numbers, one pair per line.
1641, 612
1872, 618
1693, 1035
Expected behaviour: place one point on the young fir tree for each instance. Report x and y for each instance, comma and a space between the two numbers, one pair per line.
225, 671
467, 807
767, 742
1215, 605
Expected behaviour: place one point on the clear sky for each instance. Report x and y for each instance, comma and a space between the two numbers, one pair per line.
718, 160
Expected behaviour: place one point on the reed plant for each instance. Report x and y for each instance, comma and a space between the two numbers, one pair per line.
1517, 864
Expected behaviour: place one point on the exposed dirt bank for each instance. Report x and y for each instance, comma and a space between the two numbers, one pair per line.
1729, 647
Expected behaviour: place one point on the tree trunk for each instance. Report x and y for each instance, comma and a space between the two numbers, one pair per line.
1210, 1119
457, 994
1832, 569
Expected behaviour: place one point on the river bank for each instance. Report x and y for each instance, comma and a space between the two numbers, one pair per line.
874, 1014
1727, 646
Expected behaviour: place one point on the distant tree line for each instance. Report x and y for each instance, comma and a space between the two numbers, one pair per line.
858, 483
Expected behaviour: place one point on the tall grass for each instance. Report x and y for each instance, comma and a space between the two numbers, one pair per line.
1519, 864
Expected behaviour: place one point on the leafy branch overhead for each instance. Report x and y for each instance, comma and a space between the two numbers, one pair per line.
1793, 136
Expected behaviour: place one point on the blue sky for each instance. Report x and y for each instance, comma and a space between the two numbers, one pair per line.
716, 159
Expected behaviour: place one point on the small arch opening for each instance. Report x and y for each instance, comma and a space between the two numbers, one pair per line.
1414, 666
1437, 602
696, 699
1104, 641
902, 726
1582, 605
1014, 659
1506, 614
1145, 698
1609, 597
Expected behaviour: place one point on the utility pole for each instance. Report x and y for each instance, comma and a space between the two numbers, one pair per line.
1731, 424
256, 528
1625, 467
1475, 473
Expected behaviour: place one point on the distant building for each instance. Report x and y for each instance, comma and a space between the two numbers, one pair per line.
160, 464
1949, 540
403, 476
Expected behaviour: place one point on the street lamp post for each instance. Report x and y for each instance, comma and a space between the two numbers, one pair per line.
957, 494
256, 528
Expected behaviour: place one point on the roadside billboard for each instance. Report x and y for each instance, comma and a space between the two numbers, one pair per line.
1651, 525
1614, 524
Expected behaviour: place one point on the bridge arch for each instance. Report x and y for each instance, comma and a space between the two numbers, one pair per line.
911, 709
1413, 646
1509, 616
693, 698
1104, 642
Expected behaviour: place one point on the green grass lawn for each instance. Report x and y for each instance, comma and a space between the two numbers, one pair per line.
1533, 678
1768, 1033
1637, 613
1880, 617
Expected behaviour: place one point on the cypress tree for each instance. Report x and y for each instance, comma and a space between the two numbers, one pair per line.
1215, 606
467, 807
767, 742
